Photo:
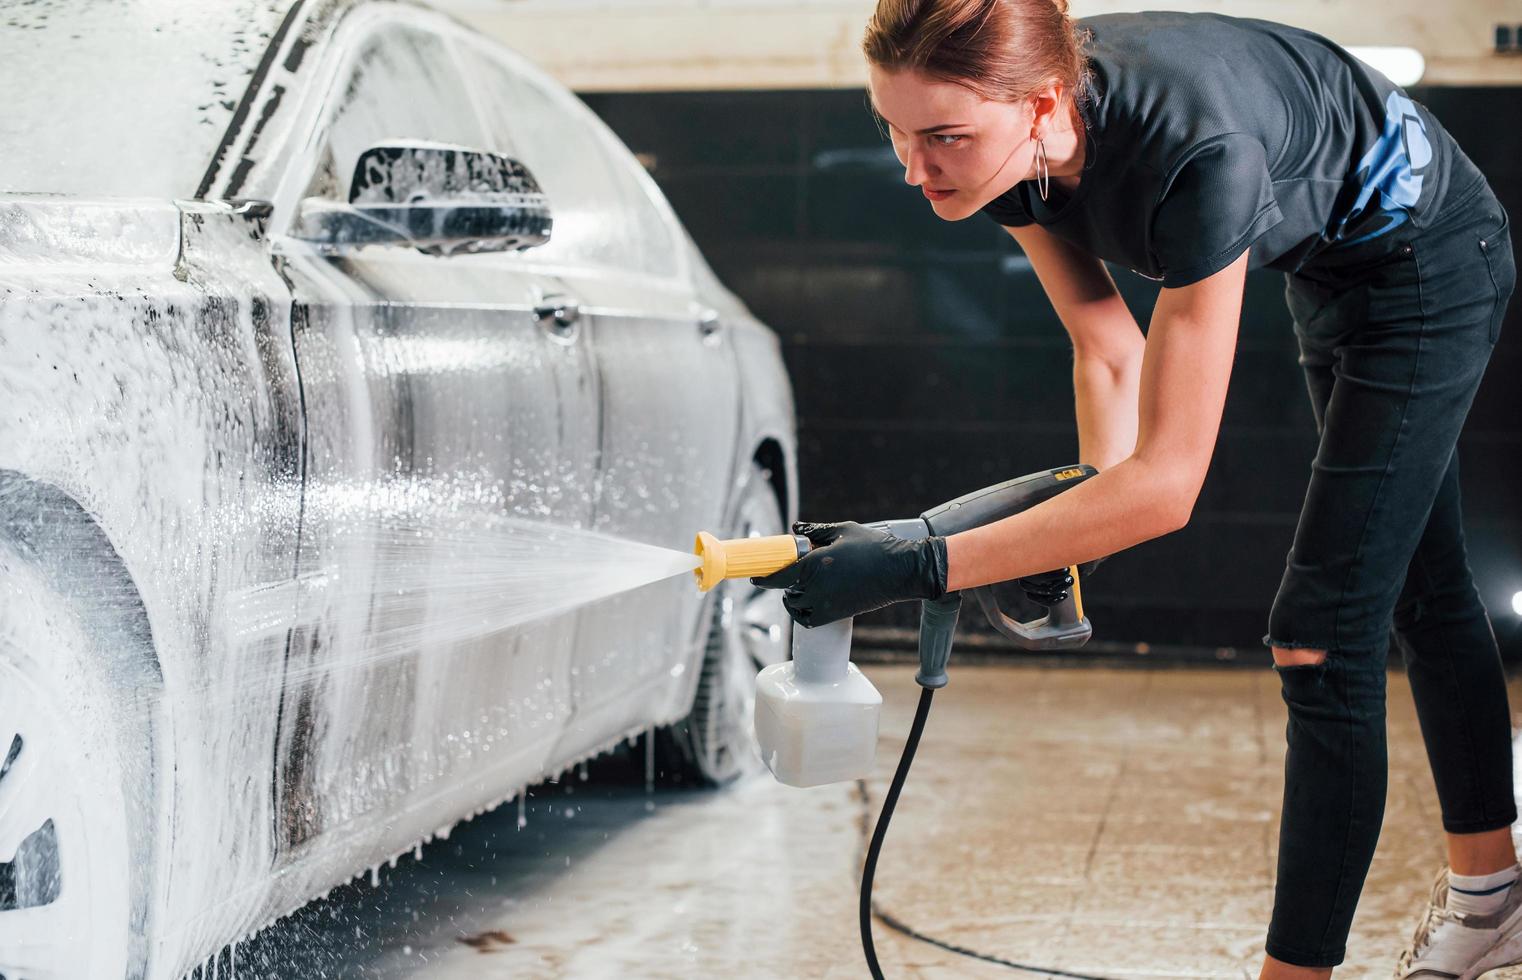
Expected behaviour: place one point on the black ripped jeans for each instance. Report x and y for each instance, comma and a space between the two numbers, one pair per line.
1393, 351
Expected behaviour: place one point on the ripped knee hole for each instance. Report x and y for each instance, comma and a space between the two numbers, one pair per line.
1298, 657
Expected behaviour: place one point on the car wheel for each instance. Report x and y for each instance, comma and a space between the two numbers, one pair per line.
749, 629
65, 905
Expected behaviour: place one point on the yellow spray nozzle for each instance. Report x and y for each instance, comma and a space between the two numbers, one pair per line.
744, 557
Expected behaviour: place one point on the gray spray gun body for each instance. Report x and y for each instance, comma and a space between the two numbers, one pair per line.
816, 716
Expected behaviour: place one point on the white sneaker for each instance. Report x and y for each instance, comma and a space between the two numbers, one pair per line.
1451, 945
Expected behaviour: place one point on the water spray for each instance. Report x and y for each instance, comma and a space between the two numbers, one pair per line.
817, 715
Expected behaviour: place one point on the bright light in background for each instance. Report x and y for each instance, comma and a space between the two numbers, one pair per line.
1403, 66
1516, 603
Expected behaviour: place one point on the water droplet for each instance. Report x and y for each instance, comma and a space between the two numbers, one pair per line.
649, 761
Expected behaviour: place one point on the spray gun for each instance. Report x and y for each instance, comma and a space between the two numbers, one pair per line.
817, 715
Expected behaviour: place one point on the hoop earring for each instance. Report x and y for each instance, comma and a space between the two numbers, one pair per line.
1042, 175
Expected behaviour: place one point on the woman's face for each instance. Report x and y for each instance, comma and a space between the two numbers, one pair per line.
979, 149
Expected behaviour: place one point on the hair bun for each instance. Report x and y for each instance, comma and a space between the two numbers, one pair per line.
1002, 50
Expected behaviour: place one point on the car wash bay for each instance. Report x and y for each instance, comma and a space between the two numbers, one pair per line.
1112, 815
1113, 821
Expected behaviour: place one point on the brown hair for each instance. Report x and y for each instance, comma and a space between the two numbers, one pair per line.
1003, 50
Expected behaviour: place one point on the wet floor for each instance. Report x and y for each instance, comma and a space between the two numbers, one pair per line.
1114, 823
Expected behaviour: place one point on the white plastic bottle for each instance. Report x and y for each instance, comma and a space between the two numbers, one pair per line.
817, 715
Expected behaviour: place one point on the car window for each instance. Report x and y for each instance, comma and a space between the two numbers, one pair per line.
602, 212
401, 85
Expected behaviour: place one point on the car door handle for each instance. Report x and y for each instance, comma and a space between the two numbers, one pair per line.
710, 326
559, 314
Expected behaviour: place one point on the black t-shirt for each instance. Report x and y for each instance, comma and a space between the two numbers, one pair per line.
1208, 135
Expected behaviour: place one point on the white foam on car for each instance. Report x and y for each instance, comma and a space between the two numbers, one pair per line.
127, 135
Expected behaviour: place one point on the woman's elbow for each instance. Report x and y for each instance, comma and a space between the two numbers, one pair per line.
1162, 490
1173, 503
1175, 516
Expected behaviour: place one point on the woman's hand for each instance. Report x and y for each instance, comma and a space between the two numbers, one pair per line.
854, 569
1049, 588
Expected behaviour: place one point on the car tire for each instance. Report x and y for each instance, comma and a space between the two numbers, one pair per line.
72, 898
748, 630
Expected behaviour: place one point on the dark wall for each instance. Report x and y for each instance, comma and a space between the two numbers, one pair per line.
927, 362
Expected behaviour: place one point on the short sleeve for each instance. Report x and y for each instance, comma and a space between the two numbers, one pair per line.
1220, 201
1007, 210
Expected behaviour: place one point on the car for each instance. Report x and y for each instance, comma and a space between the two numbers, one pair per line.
346, 359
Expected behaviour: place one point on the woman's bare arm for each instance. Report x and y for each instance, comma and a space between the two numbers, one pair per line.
1107, 345
1185, 369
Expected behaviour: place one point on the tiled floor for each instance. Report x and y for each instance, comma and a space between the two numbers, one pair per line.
1101, 822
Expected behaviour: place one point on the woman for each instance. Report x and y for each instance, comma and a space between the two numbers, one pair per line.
1190, 148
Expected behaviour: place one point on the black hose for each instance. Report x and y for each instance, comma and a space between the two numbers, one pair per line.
904, 761
870, 868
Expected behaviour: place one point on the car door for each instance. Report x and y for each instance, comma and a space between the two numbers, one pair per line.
445, 422
669, 388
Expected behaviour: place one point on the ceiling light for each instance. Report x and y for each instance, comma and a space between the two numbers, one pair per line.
1403, 66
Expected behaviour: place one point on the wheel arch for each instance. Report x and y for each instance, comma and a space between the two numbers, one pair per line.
68, 555
773, 457
768, 452
52, 531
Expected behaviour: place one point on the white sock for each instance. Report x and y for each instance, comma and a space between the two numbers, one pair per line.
1480, 894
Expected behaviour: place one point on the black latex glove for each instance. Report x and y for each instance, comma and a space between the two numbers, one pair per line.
854, 569
1049, 588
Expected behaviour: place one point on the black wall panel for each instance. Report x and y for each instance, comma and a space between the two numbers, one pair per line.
927, 361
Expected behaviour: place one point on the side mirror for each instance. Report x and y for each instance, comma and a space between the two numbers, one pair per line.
439, 199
